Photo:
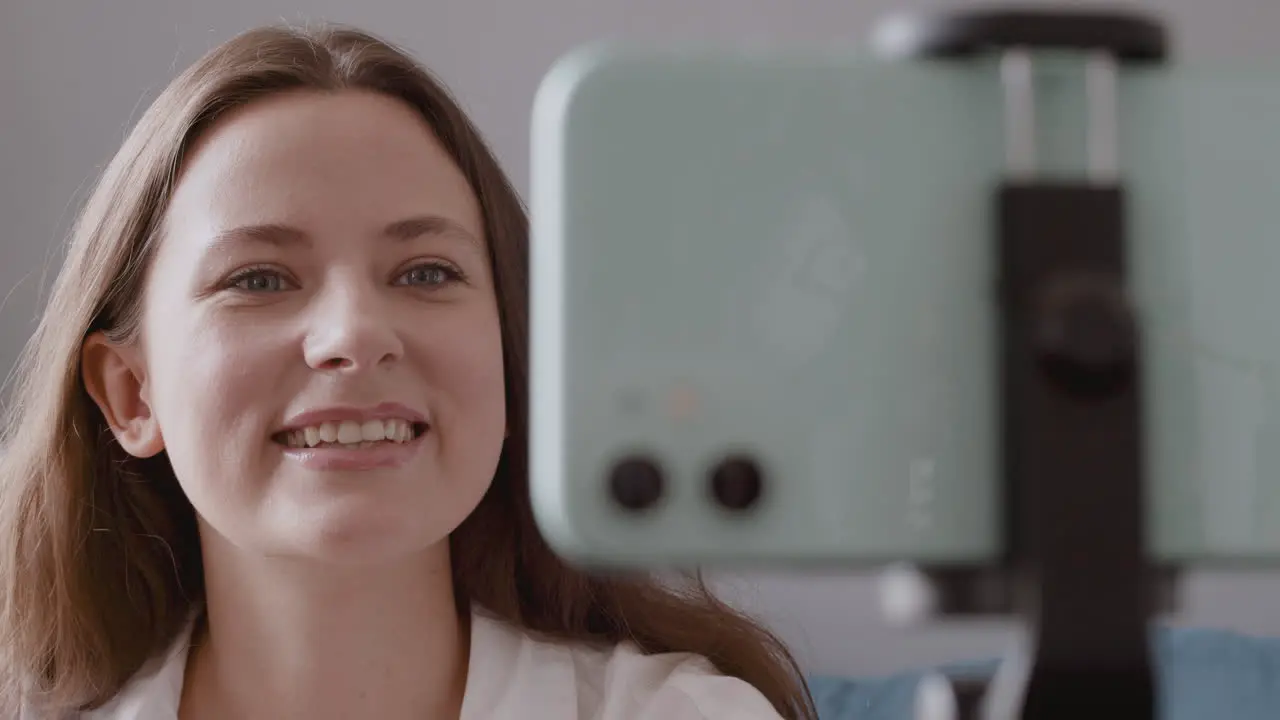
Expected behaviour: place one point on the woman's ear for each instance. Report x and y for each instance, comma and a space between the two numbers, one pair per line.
116, 380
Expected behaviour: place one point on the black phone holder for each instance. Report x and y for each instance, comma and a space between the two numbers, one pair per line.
1070, 360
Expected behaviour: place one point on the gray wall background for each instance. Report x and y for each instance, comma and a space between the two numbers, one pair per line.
74, 75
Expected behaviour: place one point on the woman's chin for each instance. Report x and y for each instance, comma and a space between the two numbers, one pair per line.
351, 532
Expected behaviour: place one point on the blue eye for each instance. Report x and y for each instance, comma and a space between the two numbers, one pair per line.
429, 275
259, 281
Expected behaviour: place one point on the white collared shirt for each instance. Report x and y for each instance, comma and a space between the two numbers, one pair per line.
512, 676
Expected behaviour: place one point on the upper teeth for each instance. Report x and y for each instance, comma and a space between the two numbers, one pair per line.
350, 432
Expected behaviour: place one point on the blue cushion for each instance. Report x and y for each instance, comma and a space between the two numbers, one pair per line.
1202, 675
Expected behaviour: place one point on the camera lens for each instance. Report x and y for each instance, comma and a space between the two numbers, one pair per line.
636, 483
737, 483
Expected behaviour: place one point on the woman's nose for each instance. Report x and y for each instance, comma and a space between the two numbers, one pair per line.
352, 331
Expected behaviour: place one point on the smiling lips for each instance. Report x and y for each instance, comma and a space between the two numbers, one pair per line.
352, 434
350, 439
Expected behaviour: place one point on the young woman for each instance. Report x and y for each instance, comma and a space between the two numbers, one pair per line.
266, 458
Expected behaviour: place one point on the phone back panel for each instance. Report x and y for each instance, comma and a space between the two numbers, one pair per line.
780, 258
1203, 147
790, 258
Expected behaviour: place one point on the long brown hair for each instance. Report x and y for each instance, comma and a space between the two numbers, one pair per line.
99, 556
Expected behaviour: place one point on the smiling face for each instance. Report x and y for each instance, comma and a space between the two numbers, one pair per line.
320, 352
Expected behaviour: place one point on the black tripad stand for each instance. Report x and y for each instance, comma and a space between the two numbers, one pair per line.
1076, 565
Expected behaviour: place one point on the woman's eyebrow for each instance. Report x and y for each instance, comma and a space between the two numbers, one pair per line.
429, 226
273, 234
281, 235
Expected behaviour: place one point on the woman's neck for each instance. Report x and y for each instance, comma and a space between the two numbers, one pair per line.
288, 639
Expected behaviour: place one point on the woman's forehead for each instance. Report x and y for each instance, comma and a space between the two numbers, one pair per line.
315, 157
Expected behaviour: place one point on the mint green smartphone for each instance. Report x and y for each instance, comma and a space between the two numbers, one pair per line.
763, 320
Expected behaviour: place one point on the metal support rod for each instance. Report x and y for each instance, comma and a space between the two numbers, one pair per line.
1103, 141
1017, 75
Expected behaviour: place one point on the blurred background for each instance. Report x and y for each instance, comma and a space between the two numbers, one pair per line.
75, 74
